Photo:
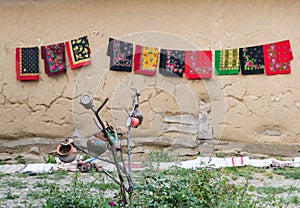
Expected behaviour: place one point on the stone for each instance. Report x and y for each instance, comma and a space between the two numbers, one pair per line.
180, 119
35, 150
270, 132
180, 128
204, 126
137, 150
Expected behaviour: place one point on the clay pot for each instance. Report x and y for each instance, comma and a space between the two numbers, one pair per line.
97, 144
66, 151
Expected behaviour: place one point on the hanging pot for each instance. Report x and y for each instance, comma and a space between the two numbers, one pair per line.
137, 114
66, 151
97, 144
115, 139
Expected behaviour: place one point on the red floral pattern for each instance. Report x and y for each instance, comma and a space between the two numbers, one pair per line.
198, 64
277, 57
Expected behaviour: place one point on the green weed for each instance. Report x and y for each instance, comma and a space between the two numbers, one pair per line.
288, 173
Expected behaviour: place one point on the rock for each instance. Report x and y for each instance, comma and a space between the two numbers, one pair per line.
180, 128
137, 150
5, 157
204, 127
180, 119
35, 150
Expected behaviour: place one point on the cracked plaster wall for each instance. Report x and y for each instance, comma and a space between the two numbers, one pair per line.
243, 108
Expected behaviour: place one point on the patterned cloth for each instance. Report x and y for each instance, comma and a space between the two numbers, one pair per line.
227, 61
145, 60
252, 60
78, 51
27, 63
171, 63
277, 57
198, 64
121, 55
54, 59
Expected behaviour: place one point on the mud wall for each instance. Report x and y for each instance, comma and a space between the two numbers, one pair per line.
252, 109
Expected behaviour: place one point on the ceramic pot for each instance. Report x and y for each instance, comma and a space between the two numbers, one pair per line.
97, 144
66, 151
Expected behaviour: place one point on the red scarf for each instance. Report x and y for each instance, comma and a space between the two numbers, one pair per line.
277, 57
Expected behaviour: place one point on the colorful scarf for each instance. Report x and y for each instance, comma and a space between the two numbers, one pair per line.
277, 57
27, 63
145, 60
227, 61
252, 60
54, 59
198, 64
121, 54
78, 51
171, 63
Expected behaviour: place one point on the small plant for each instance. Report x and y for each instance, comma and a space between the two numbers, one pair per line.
35, 194
2, 175
10, 196
49, 159
20, 159
179, 187
154, 158
77, 194
85, 157
1, 162
16, 184
220, 154
294, 199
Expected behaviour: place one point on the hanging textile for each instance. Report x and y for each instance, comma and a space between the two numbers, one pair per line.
27, 63
171, 63
78, 51
54, 58
145, 60
121, 55
252, 60
198, 64
277, 57
227, 61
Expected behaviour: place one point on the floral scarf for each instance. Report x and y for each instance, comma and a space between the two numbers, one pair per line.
277, 57
27, 63
78, 51
252, 60
227, 61
54, 59
171, 63
198, 64
121, 55
145, 60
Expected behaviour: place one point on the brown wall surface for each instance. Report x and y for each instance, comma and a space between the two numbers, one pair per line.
256, 108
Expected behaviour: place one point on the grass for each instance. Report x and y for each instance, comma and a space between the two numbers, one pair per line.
288, 173
15, 184
294, 200
276, 190
62, 174
246, 171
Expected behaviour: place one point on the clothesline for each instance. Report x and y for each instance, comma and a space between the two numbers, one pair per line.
272, 58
